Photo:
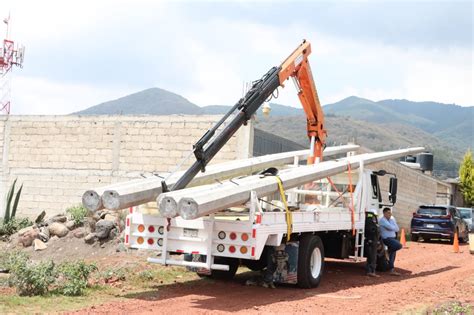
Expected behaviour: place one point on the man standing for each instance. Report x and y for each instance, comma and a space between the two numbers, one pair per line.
388, 230
371, 240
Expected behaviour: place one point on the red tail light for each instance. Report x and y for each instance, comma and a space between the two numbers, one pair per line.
232, 249
416, 215
446, 216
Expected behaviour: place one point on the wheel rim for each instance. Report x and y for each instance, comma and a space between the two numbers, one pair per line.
315, 263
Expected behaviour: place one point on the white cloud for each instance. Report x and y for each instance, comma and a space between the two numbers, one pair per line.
211, 57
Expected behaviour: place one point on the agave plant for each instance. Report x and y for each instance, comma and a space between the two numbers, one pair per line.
10, 210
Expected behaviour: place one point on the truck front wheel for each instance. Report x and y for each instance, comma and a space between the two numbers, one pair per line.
310, 261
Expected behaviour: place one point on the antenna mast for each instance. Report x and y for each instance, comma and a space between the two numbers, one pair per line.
9, 57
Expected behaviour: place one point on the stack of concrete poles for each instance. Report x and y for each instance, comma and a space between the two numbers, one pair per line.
200, 201
135, 192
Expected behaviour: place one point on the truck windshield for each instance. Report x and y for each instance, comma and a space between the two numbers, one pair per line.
434, 211
466, 213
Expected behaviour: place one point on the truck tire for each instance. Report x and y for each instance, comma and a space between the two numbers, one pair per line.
257, 265
414, 238
310, 261
222, 274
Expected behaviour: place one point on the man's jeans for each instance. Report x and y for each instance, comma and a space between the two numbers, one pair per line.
393, 245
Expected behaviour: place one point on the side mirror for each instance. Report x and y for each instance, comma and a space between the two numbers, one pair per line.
393, 190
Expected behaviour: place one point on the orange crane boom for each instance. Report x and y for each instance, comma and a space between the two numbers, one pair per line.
298, 68
295, 66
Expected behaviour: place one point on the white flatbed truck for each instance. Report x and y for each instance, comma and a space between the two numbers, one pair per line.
220, 242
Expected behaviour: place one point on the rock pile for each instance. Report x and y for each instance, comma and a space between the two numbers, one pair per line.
102, 226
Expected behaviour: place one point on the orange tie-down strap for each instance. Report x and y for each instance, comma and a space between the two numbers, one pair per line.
351, 207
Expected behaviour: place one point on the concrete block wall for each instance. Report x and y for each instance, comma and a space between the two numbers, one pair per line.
57, 158
414, 189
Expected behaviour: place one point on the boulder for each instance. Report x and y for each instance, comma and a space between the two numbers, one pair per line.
40, 218
24, 230
42, 236
90, 223
58, 229
70, 225
45, 231
102, 228
96, 216
91, 238
60, 218
79, 233
27, 238
114, 233
110, 217
39, 245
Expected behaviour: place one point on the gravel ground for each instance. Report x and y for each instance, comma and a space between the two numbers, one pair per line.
432, 274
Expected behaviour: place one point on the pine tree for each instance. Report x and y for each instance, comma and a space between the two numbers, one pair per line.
466, 178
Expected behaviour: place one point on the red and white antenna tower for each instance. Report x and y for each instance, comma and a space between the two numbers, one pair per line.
9, 57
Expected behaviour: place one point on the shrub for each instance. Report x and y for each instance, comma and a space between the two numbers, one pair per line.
31, 278
10, 260
114, 274
146, 275
75, 276
77, 214
14, 225
10, 209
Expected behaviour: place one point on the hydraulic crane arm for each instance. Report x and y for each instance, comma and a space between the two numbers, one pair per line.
295, 66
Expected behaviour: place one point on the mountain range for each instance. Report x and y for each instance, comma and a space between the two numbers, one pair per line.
445, 129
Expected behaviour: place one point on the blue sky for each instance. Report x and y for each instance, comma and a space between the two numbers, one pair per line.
81, 53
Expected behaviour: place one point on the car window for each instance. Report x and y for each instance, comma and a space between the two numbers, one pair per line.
466, 213
434, 211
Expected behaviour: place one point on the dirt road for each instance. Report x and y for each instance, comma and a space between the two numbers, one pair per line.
431, 274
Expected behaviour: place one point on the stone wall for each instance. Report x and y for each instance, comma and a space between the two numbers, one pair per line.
57, 158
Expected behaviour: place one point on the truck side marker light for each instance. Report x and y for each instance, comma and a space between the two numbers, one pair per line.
253, 251
140, 240
161, 230
254, 233
195, 253
220, 248
232, 249
141, 228
128, 222
126, 238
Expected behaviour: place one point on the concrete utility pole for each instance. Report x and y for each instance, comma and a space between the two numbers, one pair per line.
139, 191
194, 203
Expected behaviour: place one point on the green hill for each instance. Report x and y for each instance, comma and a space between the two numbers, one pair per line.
445, 129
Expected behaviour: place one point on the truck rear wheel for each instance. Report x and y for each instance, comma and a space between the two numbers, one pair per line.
223, 274
257, 265
310, 261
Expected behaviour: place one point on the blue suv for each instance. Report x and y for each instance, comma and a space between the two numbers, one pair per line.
443, 221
